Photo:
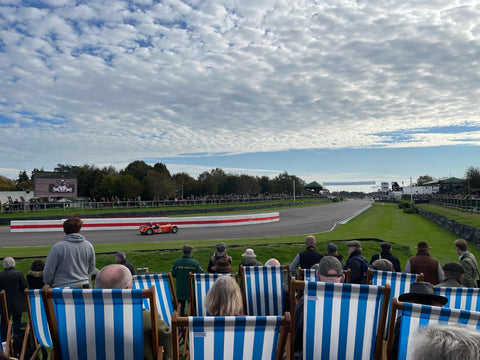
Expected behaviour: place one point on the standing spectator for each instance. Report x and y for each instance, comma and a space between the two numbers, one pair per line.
386, 254
306, 259
422, 262
35, 275
118, 277
469, 263
453, 275
357, 263
14, 284
332, 251
180, 270
121, 259
249, 259
220, 254
224, 298
71, 260
329, 270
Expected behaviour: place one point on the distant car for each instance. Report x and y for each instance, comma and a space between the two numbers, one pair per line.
149, 229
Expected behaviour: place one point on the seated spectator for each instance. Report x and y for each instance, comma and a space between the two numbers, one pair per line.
421, 292
453, 273
217, 256
386, 254
224, 298
222, 266
330, 269
383, 264
442, 342
272, 262
249, 259
332, 251
117, 276
35, 275
121, 259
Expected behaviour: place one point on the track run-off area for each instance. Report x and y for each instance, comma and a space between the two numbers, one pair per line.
293, 221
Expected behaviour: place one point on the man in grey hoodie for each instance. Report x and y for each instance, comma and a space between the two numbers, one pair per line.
71, 260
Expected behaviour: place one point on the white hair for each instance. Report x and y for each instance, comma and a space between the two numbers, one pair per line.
446, 342
8, 262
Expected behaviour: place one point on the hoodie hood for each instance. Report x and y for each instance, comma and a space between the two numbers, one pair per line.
76, 237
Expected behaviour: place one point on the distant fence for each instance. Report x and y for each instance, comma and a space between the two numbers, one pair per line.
135, 204
465, 204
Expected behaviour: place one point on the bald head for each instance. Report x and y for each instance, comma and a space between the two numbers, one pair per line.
272, 262
114, 276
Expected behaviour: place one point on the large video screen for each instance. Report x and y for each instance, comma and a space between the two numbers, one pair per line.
54, 184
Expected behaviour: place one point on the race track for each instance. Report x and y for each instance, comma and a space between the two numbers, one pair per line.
295, 221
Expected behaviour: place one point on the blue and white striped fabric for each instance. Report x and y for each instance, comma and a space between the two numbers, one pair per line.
99, 324
340, 320
263, 290
234, 337
201, 284
399, 284
460, 298
39, 318
310, 274
164, 298
414, 316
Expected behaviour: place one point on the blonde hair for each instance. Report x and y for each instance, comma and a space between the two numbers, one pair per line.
224, 298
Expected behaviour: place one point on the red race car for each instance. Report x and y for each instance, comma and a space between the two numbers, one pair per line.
150, 229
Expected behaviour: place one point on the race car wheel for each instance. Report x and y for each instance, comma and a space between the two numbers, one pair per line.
174, 229
149, 231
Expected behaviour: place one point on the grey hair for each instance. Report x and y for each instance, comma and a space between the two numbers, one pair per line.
8, 262
272, 262
224, 298
114, 276
446, 342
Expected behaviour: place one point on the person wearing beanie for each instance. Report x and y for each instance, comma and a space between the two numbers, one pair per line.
220, 254
332, 251
453, 275
14, 284
249, 259
386, 254
423, 263
121, 259
306, 259
180, 270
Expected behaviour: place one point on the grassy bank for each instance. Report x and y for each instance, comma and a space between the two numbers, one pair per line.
381, 221
463, 217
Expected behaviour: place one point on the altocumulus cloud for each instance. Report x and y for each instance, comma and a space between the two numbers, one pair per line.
123, 80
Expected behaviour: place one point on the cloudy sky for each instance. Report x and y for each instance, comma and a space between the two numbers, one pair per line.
331, 91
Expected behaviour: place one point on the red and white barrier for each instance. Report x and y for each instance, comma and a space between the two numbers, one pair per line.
134, 223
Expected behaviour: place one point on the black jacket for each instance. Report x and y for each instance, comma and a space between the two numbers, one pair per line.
387, 255
14, 284
356, 267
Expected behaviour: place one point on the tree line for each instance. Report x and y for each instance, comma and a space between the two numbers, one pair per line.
155, 182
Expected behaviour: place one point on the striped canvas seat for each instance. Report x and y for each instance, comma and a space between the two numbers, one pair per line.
413, 316
199, 286
233, 337
166, 298
460, 298
98, 323
399, 284
263, 290
342, 321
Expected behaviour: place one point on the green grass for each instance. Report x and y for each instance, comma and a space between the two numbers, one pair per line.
464, 217
381, 221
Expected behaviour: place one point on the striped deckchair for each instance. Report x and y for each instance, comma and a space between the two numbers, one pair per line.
413, 316
166, 299
311, 275
342, 321
7, 349
399, 284
37, 324
233, 337
98, 323
460, 298
199, 285
264, 292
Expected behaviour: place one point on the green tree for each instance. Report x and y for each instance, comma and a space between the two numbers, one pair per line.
266, 184
138, 169
158, 185
6, 184
283, 184
208, 186
23, 182
473, 178
247, 185
422, 180
188, 184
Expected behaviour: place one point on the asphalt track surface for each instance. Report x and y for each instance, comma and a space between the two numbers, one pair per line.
293, 221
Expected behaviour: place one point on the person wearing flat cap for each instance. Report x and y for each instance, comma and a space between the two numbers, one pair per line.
386, 254
421, 292
423, 263
453, 275
249, 259
357, 263
217, 256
